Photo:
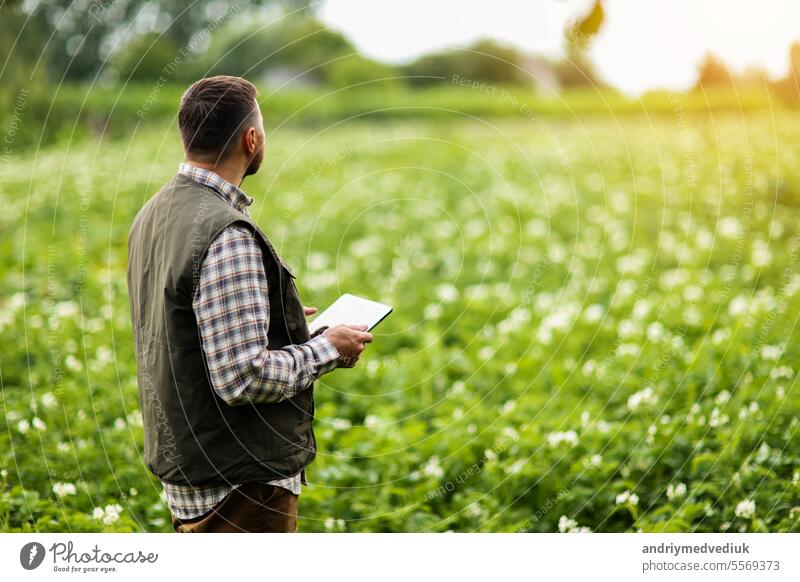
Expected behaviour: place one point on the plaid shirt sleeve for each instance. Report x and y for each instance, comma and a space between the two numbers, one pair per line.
232, 310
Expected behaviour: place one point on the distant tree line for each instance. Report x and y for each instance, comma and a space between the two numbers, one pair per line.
109, 41
279, 43
714, 73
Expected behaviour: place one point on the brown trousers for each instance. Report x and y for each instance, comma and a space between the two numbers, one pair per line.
251, 507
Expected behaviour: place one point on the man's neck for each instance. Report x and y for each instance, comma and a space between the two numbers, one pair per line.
224, 171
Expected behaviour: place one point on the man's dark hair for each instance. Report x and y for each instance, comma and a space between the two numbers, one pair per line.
213, 113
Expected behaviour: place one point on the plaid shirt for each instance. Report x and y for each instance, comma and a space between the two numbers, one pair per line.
232, 310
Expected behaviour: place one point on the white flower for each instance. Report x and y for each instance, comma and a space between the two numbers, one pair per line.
603, 426
120, 424
729, 227
675, 491
717, 419
66, 308
38, 423
738, 306
474, 509
108, 514
569, 525
656, 331
135, 418
641, 308
771, 353
340, 423
23, 426
49, 400
73, 363
332, 524
628, 349
432, 467
16, 301
593, 313
720, 336
781, 372
627, 328
486, 352
763, 453
62, 489
566, 524
626, 497
515, 321
556, 438
595, 460
746, 509
446, 293
372, 420
722, 397
515, 468
432, 311
644, 397
760, 255
104, 355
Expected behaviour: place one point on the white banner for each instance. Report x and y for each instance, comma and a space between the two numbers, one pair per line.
379, 557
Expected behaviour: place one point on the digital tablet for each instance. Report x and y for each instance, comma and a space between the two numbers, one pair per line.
351, 310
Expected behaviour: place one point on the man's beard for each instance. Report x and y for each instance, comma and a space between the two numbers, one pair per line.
255, 162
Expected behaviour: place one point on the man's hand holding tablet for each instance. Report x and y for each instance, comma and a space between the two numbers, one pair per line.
346, 323
349, 340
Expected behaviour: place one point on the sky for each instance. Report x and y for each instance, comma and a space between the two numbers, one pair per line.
643, 45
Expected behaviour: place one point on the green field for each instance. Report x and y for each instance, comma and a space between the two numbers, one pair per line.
594, 323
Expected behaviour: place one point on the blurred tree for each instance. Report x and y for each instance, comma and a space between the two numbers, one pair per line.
713, 73
486, 61
356, 69
794, 62
300, 43
21, 43
81, 36
146, 57
788, 88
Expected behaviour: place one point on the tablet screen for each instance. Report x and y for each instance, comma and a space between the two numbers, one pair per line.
351, 310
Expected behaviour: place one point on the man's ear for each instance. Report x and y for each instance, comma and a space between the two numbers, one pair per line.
250, 141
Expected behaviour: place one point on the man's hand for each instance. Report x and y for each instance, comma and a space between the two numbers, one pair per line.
309, 310
350, 341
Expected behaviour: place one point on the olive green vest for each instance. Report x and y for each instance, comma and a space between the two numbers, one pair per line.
191, 435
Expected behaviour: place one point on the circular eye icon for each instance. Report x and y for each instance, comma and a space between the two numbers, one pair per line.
31, 555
